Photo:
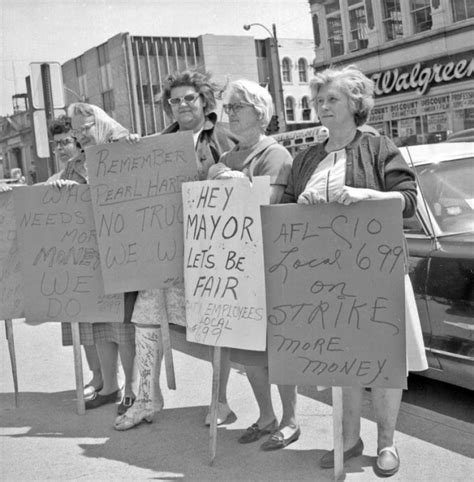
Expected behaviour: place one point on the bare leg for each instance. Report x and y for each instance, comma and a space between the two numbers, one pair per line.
127, 357
258, 378
94, 365
351, 411
108, 356
386, 402
288, 394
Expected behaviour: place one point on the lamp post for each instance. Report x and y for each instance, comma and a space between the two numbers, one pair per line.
276, 73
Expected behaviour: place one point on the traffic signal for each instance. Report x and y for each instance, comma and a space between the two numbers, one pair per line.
273, 126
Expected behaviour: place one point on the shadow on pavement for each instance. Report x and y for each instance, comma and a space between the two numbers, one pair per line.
175, 446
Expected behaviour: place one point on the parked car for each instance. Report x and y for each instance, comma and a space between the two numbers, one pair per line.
441, 257
466, 135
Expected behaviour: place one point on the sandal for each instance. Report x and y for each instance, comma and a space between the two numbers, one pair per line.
125, 404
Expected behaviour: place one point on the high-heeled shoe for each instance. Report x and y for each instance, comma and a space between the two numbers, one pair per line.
134, 416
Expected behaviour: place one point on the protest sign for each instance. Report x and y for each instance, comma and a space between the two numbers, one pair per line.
60, 258
224, 281
11, 290
335, 294
136, 196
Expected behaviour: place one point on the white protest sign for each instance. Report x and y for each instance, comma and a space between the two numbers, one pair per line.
224, 274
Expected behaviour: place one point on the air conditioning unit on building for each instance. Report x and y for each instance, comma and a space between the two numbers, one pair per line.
356, 45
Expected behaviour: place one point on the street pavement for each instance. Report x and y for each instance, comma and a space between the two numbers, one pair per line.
44, 438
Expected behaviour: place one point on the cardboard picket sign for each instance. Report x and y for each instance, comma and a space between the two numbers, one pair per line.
335, 294
11, 289
223, 262
62, 280
136, 197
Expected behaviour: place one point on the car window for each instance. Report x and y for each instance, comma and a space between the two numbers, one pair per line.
448, 189
412, 225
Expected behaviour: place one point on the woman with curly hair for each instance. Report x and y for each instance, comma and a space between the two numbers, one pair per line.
189, 98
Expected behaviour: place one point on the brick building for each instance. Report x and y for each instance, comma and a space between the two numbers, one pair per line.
420, 53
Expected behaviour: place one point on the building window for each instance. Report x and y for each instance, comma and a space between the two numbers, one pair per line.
303, 70
305, 107
316, 33
421, 15
290, 109
108, 101
335, 37
462, 9
103, 52
358, 28
79, 66
286, 70
331, 6
392, 19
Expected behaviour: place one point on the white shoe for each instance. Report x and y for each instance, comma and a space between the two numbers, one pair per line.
223, 413
134, 416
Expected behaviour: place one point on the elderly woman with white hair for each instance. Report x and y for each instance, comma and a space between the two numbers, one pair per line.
250, 108
352, 166
92, 126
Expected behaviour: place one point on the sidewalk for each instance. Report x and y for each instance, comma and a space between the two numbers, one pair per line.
45, 439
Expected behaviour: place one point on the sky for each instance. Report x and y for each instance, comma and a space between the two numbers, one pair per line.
58, 30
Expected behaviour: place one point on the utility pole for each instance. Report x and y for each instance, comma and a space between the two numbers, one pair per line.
275, 77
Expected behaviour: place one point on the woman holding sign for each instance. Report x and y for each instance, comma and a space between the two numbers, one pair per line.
92, 126
250, 109
66, 147
349, 167
188, 98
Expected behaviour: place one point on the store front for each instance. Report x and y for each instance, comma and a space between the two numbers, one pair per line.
425, 102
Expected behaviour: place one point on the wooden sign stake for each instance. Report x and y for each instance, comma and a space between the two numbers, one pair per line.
11, 349
76, 346
216, 374
337, 433
168, 353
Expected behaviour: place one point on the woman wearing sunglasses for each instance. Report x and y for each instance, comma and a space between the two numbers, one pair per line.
188, 98
250, 109
66, 148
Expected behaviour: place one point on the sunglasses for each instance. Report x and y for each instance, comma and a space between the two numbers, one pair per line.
188, 98
83, 128
235, 108
64, 142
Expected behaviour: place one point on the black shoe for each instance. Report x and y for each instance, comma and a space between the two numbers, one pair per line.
253, 433
278, 441
97, 400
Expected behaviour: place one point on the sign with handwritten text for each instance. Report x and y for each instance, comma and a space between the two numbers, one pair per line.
335, 294
11, 289
62, 280
138, 211
224, 275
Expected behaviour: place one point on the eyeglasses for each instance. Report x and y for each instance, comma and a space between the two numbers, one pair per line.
236, 108
188, 98
64, 142
83, 128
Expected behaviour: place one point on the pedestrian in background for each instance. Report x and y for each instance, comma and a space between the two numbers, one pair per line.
351, 166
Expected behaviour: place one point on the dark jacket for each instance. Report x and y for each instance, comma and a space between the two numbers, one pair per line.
214, 140
372, 162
